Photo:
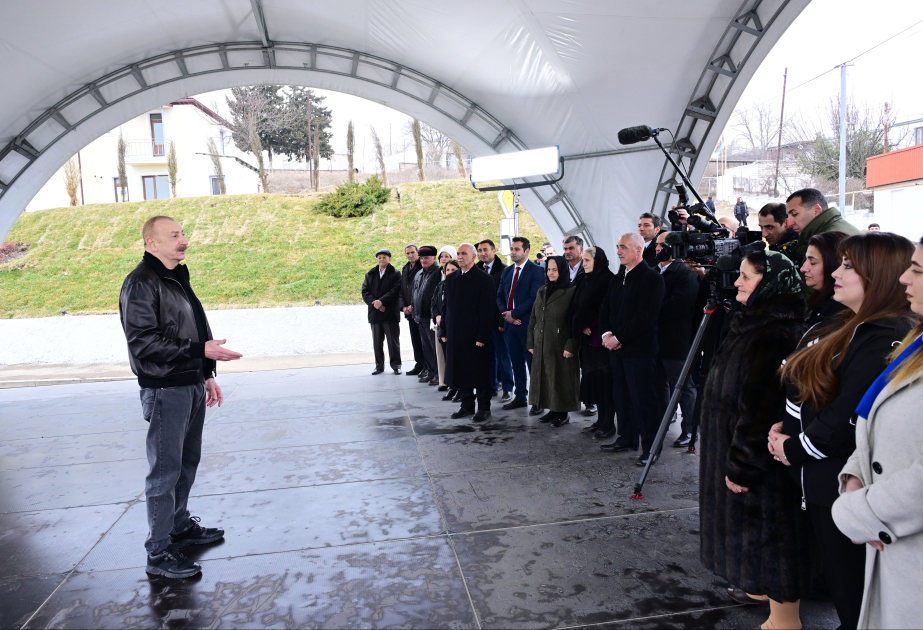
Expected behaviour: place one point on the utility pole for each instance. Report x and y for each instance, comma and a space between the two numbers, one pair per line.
775, 186
843, 138
886, 127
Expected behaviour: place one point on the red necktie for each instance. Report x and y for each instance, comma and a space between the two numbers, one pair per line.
509, 302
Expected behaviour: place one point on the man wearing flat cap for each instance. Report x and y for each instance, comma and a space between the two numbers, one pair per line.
381, 290
424, 285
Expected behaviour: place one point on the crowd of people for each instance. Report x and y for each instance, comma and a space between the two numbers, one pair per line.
811, 467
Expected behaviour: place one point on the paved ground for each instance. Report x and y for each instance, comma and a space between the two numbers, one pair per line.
349, 501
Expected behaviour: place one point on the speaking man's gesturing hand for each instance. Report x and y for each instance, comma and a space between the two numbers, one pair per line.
214, 351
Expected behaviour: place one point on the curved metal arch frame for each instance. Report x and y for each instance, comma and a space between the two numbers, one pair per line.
97, 96
741, 37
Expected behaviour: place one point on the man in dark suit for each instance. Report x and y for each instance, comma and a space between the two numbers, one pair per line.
628, 318
519, 284
649, 227
502, 370
674, 334
469, 321
381, 290
408, 273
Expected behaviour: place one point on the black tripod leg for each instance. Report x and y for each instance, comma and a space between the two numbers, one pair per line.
674, 401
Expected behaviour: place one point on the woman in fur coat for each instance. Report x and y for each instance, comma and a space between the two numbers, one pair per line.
752, 534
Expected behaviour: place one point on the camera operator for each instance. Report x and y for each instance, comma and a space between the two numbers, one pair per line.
674, 334
809, 214
773, 220
731, 224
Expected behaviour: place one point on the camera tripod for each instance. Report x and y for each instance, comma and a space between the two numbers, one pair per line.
714, 305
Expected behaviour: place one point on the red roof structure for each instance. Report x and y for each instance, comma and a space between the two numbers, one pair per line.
904, 165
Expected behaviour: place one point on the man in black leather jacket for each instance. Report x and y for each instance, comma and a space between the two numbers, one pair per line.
171, 351
424, 285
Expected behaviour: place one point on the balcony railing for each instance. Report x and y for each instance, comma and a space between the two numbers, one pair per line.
145, 148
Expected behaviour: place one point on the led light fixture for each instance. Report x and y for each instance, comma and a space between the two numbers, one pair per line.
506, 166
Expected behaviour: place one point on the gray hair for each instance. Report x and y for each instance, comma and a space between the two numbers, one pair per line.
572, 238
591, 251
473, 248
635, 237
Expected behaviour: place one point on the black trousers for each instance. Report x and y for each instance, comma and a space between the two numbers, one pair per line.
468, 396
599, 390
637, 405
392, 332
668, 371
428, 344
844, 565
587, 394
417, 344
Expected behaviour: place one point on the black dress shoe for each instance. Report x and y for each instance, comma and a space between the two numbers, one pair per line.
450, 395
424, 377
590, 410
515, 404
377, 371
548, 417
416, 370
481, 415
739, 595
642, 461
561, 420
442, 388
590, 429
456, 398
397, 371
507, 397
535, 410
461, 413
683, 440
615, 447
604, 435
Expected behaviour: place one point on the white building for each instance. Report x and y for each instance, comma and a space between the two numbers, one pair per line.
188, 124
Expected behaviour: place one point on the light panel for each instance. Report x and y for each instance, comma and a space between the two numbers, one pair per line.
531, 163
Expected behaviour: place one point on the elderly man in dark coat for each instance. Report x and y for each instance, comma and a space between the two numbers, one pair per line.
469, 321
381, 290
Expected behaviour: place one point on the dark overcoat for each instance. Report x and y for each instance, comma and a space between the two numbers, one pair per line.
386, 288
761, 540
468, 319
555, 381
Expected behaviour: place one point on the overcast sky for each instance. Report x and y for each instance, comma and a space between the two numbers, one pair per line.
827, 33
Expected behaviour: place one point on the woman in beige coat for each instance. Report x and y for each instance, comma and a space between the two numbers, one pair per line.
881, 486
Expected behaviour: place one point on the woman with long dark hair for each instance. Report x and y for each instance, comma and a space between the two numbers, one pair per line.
752, 534
881, 485
822, 259
555, 377
594, 358
825, 380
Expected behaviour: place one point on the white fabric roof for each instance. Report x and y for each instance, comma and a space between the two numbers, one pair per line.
566, 72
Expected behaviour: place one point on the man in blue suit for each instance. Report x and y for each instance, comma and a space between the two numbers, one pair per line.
515, 296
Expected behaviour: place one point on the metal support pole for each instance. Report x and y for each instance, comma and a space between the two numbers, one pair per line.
843, 139
775, 186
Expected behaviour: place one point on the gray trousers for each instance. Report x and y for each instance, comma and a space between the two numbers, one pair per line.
392, 332
428, 341
174, 448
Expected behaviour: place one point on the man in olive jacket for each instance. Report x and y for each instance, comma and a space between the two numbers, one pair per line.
171, 350
381, 290
809, 214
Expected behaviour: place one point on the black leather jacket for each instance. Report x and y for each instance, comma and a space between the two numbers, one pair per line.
424, 285
156, 311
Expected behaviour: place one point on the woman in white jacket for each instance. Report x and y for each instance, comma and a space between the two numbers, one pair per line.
881, 486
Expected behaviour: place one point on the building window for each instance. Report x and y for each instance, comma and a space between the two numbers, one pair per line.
157, 141
156, 186
118, 191
918, 135
213, 182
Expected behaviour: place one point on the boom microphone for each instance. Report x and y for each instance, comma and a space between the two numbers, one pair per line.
631, 135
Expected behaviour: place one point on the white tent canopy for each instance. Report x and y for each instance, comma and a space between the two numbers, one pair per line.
496, 76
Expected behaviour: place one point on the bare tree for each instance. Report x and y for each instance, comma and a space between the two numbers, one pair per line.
758, 125
123, 177
72, 179
350, 151
212, 149
316, 149
457, 150
418, 145
172, 169
257, 147
380, 155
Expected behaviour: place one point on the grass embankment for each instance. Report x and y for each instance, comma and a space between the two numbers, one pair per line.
245, 251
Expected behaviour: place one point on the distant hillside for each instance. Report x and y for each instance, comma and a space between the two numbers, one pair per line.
245, 251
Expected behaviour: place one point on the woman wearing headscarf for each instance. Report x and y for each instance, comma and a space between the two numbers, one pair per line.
752, 533
589, 293
438, 311
825, 380
881, 486
555, 376
446, 254
821, 260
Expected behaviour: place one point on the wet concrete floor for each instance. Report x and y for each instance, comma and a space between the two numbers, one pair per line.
349, 501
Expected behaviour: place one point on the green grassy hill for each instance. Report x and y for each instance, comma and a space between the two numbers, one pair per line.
245, 251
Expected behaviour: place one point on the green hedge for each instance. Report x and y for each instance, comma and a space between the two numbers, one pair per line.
352, 199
